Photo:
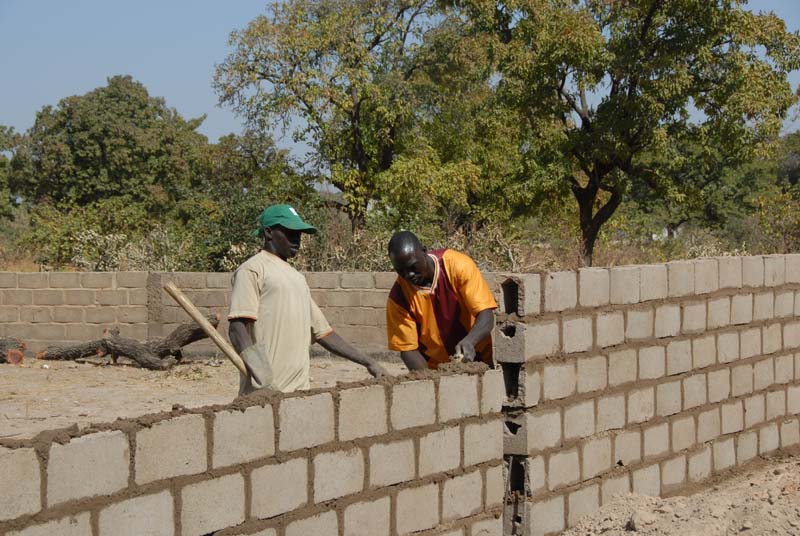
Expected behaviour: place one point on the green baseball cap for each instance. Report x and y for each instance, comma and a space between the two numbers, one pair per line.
285, 216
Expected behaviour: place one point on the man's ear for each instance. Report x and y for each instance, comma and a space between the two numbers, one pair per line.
266, 232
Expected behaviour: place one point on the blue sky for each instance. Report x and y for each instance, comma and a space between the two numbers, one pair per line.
50, 49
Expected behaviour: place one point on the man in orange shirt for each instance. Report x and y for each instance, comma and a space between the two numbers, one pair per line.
440, 306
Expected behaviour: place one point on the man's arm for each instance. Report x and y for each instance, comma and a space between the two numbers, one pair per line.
239, 333
482, 327
333, 342
413, 359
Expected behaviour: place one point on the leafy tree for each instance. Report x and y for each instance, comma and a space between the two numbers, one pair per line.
116, 140
628, 80
8, 140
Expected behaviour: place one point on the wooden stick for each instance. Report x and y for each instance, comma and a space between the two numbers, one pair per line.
198, 317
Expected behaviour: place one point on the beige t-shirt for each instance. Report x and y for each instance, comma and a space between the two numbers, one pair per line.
287, 320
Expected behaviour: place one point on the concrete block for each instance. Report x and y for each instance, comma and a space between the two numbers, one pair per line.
639, 325
793, 400
458, 397
517, 342
704, 351
521, 294
668, 398
768, 439
724, 454
594, 287
771, 338
641, 405
171, 448
763, 374
544, 429
391, 463
72, 468
784, 304
592, 373
730, 272
327, 280
413, 404
719, 385
368, 518
243, 436
535, 473
706, 276
622, 367
10, 314
36, 315
416, 509
362, 412
48, 297
610, 412
439, 451
784, 369
680, 275
700, 465
530, 387
753, 271
790, 433
694, 317
462, 496
125, 518
797, 366
776, 404
792, 268
741, 309
547, 517
293, 478
84, 297
742, 380
732, 417
72, 525
613, 487
774, 270
746, 447
20, 494
719, 312
560, 291
17, 297
652, 362
583, 502
563, 469
610, 329
673, 473
486, 527
750, 343
212, 505
753, 410
305, 421
337, 474
579, 420
708, 425
627, 447
653, 282
323, 523
577, 334
101, 315
596, 455
496, 485
728, 347
625, 284
668, 321
763, 305
493, 391
99, 280
694, 391
482, 442
559, 380
679, 357
109, 297
791, 335
647, 481
215, 280
32, 280
360, 280
656, 440
683, 433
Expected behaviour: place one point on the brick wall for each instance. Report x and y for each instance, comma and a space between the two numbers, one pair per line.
419, 454
643, 378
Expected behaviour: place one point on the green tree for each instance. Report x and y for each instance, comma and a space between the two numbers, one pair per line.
8, 141
115, 141
628, 80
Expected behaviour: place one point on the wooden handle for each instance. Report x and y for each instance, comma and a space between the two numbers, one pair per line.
198, 317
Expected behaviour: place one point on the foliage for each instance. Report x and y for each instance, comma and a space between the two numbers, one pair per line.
8, 139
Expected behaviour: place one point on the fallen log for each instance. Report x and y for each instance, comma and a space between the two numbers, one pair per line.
157, 354
11, 350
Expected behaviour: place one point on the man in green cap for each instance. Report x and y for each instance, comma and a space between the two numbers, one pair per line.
273, 319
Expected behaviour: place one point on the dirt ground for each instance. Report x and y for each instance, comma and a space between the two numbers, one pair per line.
44, 395
762, 500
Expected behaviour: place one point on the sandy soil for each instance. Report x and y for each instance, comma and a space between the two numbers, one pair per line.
762, 500
39, 395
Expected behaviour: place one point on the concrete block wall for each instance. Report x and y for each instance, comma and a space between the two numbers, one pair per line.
418, 454
643, 378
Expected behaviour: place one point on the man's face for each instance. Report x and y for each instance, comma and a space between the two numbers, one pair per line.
285, 242
414, 266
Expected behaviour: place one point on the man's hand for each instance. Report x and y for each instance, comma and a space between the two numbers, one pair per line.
376, 370
465, 349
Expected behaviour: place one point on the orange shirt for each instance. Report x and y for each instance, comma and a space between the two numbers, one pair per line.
434, 320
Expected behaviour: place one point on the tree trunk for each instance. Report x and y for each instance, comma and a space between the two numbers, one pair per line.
11, 350
591, 221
